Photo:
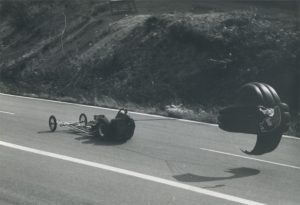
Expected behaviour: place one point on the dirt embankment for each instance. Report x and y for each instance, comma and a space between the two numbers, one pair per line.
82, 51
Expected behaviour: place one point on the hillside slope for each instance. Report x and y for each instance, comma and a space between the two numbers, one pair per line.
70, 48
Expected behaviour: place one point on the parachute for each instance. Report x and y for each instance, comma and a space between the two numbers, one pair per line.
257, 110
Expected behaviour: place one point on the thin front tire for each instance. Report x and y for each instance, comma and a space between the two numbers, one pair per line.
52, 123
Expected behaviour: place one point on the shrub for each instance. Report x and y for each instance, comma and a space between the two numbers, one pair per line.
17, 13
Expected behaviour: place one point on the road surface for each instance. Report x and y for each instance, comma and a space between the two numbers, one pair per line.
167, 161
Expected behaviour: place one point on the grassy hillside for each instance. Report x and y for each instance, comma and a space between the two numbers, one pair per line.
196, 54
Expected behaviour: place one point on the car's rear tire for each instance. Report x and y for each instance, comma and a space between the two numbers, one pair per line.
102, 129
122, 129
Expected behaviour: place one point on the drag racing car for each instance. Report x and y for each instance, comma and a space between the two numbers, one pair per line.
121, 128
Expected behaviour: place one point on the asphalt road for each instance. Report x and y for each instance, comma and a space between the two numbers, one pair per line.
167, 161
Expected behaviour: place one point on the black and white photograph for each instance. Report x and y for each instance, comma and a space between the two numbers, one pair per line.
149, 102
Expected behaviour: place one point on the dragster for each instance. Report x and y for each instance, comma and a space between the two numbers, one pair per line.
121, 128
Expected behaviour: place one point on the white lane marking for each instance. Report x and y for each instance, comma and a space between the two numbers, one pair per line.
250, 158
291, 137
132, 174
137, 113
10, 113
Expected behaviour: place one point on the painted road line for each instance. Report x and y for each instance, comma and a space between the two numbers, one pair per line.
290, 137
9, 113
111, 109
250, 158
132, 174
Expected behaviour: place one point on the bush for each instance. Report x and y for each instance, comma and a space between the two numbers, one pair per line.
17, 13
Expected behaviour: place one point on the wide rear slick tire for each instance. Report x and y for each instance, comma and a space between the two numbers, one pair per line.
102, 129
119, 129
122, 129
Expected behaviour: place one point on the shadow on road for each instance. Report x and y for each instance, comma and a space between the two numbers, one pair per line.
236, 173
96, 141
44, 132
85, 138
214, 186
72, 132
